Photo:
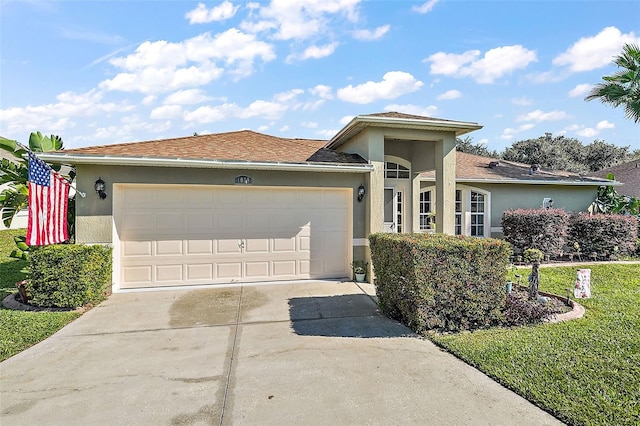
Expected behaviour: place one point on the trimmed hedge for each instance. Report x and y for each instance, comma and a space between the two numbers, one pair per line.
542, 229
600, 233
69, 276
440, 282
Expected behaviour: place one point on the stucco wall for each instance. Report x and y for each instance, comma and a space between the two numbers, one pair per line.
94, 216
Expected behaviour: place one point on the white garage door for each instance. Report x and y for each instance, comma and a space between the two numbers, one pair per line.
187, 235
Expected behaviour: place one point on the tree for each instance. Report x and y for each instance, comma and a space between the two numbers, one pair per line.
467, 145
15, 172
622, 88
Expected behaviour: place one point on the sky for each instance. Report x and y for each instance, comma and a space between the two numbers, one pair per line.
105, 72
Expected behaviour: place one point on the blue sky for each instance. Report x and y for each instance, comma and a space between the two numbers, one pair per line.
104, 72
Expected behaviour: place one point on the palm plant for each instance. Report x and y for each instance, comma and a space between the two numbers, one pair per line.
623, 87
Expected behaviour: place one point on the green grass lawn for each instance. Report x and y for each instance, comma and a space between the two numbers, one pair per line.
585, 371
20, 330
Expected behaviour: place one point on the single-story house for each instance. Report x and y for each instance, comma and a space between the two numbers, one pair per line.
245, 207
628, 174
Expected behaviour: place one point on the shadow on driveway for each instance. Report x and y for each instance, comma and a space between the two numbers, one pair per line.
349, 315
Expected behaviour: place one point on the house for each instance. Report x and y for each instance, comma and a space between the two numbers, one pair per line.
626, 173
246, 207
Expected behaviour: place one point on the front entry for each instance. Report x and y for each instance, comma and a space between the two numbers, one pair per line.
393, 210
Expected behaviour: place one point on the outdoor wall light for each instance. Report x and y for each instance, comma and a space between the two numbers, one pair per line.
100, 188
361, 192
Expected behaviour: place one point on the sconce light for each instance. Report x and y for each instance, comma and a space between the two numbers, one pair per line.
547, 203
100, 188
361, 192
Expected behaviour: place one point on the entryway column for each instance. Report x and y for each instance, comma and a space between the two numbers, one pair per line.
445, 159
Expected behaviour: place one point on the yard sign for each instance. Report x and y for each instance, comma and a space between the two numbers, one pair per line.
582, 288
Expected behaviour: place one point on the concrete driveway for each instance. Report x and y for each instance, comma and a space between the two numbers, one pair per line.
304, 353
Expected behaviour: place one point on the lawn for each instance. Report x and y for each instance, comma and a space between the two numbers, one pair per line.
585, 371
20, 330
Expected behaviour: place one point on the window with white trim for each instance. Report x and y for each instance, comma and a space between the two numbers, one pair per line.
472, 209
426, 209
399, 211
395, 171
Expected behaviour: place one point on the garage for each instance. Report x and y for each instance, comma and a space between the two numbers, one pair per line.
177, 235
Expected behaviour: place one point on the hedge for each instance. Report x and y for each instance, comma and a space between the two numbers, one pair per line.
543, 229
69, 276
601, 233
440, 282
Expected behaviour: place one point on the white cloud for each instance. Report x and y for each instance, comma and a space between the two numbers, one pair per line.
590, 53
186, 97
315, 52
394, 84
346, 119
412, 109
539, 116
202, 15
509, 133
284, 128
298, 20
59, 116
450, 94
483, 141
521, 101
604, 124
166, 112
309, 124
587, 132
494, 64
263, 128
148, 100
161, 66
128, 127
580, 90
369, 35
322, 91
327, 133
425, 7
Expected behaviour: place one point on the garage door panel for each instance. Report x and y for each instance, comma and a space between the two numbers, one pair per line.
199, 247
169, 248
169, 273
231, 234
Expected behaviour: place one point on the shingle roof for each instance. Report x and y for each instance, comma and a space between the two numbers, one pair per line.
243, 145
477, 168
627, 173
395, 114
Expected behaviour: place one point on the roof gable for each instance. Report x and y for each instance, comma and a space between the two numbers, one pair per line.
627, 173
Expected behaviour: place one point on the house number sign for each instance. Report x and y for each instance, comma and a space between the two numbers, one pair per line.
243, 180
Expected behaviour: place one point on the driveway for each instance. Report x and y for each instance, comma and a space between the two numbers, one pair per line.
302, 353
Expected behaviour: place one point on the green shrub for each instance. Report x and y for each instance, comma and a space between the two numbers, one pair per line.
533, 255
440, 282
542, 229
601, 233
69, 276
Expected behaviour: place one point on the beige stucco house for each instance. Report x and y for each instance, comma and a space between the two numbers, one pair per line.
245, 207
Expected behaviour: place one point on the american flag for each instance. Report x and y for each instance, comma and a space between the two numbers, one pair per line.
48, 201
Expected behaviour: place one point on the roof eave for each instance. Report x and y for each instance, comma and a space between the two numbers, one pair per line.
530, 182
205, 164
359, 122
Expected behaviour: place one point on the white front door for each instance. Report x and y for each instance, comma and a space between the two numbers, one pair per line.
390, 210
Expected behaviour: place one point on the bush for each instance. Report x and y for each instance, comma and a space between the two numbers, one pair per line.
601, 233
69, 276
519, 310
542, 229
440, 282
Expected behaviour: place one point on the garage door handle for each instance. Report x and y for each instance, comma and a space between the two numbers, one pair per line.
241, 244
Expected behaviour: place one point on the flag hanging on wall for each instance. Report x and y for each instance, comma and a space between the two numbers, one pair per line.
48, 201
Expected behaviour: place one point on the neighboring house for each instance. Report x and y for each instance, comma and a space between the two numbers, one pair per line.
628, 174
20, 219
244, 206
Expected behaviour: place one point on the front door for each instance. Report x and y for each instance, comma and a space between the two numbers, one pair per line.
390, 210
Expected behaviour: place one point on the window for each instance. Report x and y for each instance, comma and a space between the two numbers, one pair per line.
471, 209
399, 210
426, 218
458, 212
395, 171
477, 214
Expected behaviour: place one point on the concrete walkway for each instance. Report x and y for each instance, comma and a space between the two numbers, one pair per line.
313, 353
